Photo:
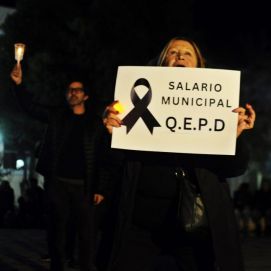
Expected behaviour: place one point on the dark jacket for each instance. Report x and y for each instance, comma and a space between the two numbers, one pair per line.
59, 122
211, 172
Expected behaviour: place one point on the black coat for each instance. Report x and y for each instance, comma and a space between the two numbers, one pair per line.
211, 172
59, 123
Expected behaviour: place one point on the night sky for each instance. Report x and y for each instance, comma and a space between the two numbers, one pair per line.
8, 3
227, 27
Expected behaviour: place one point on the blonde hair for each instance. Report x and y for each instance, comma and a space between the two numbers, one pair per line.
200, 59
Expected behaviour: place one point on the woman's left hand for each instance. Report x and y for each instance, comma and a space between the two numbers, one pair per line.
246, 118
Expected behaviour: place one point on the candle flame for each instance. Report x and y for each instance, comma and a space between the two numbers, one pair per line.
19, 51
118, 106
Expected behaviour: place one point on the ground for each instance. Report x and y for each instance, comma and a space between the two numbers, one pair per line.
21, 250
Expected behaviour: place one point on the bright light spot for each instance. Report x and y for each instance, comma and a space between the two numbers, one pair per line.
1, 145
118, 106
19, 163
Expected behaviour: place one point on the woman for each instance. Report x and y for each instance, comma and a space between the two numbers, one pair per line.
149, 234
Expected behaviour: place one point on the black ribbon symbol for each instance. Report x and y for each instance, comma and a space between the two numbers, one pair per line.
140, 110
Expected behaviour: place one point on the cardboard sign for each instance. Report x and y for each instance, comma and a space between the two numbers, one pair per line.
174, 109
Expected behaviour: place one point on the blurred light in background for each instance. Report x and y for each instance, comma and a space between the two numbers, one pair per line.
19, 163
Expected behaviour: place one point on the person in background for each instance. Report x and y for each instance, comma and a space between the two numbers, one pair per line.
262, 208
242, 200
72, 161
7, 202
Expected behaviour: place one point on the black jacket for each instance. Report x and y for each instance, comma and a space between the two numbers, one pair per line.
59, 120
211, 172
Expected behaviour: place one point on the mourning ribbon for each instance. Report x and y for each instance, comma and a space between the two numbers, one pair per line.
140, 109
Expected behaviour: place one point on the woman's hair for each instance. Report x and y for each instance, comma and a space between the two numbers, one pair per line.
200, 59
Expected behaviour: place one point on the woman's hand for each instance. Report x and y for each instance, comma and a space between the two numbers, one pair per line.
246, 118
111, 118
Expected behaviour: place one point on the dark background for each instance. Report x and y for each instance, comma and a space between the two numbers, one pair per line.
92, 38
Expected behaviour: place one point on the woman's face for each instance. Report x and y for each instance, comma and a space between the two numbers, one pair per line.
181, 54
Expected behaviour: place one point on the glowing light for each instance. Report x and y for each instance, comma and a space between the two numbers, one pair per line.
19, 163
19, 51
118, 106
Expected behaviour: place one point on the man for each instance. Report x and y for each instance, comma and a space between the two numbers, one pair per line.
71, 162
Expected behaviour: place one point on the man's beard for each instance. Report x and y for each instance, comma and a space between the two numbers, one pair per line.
73, 101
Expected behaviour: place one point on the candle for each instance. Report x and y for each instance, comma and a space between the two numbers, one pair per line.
19, 51
118, 106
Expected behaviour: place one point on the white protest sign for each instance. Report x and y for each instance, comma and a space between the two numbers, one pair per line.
174, 109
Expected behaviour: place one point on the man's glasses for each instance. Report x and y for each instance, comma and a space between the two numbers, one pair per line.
76, 90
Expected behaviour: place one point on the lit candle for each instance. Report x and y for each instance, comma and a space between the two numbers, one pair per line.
118, 106
19, 51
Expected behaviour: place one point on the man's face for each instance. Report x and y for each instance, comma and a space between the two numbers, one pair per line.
181, 54
75, 94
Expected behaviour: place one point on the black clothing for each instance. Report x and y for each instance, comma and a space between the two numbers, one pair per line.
69, 200
145, 250
60, 122
154, 197
73, 166
159, 222
72, 162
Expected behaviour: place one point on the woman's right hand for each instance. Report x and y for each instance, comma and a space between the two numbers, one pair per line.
111, 118
17, 74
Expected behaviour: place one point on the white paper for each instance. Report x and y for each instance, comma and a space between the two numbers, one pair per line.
193, 107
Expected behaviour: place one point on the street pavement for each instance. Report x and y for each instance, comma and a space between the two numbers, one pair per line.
21, 250
257, 253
